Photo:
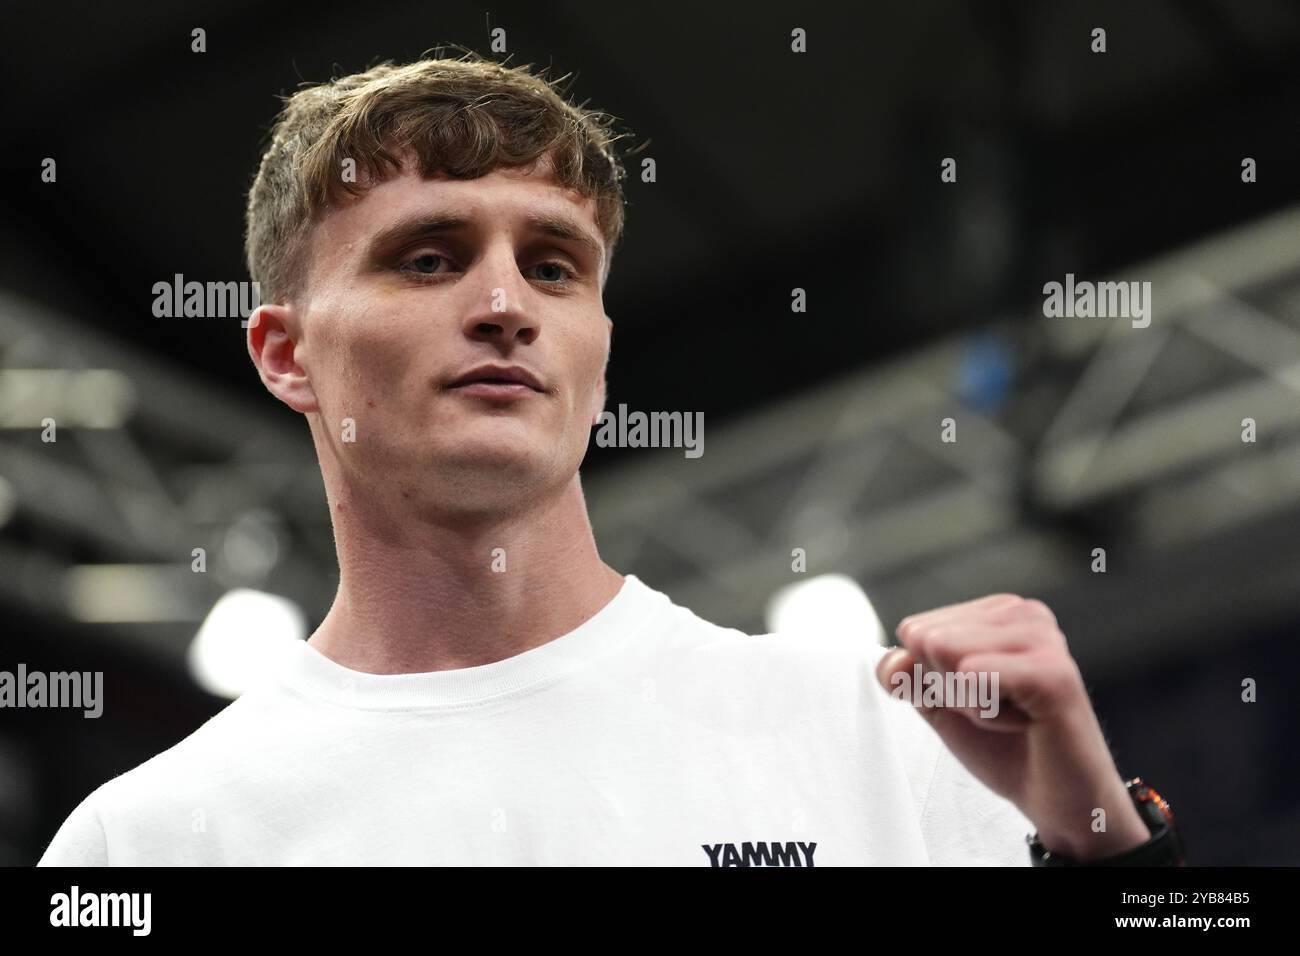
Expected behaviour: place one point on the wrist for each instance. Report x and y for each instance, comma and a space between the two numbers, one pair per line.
1125, 830
1163, 846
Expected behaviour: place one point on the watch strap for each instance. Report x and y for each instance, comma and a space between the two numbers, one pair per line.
1164, 848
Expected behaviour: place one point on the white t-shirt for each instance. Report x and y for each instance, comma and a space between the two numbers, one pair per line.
645, 736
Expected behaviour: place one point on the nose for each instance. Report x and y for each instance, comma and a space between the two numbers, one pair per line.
499, 310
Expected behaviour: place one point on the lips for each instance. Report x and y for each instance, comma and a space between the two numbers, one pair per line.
498, 375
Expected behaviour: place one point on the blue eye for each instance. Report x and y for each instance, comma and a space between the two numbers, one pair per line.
564, 273
550, 272
429, 258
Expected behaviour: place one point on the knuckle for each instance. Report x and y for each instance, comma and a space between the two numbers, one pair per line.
937, 643
1061, 679
1040, 609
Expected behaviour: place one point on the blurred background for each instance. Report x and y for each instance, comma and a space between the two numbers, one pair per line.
775, 170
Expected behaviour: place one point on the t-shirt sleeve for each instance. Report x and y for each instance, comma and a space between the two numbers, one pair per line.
80, 841
963, 822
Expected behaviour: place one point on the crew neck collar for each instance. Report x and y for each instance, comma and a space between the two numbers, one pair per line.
314, 675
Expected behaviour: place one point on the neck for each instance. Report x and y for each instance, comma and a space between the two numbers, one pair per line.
417, 595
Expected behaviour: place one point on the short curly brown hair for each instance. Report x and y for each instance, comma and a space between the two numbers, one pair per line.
462, 117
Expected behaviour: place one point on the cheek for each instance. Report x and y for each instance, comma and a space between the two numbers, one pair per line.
585, 371
587, 379
596, 352
363, 362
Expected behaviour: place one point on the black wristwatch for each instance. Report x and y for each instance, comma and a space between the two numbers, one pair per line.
1165, 848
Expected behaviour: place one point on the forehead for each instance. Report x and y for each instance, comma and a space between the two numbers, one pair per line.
502, 197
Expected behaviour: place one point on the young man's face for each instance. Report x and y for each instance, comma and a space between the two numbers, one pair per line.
396, 307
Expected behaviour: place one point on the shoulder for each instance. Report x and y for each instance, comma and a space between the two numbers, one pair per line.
684, 628
827, 671
163, 787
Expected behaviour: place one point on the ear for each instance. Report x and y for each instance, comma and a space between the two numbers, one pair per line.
273, 335
600, 382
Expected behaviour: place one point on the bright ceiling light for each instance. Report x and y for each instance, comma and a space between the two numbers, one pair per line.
828, 603
242, 636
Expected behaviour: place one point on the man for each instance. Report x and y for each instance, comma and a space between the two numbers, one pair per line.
433, 242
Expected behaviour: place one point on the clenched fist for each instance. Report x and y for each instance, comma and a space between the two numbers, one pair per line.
1039, 745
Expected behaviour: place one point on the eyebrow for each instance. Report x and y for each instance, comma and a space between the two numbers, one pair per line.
433, 224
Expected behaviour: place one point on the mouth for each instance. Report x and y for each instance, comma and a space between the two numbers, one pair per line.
498, 382
499, 391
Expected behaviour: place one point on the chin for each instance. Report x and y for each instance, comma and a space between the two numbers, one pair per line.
485, 458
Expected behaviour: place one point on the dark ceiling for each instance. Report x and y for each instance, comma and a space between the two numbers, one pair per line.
775, 169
